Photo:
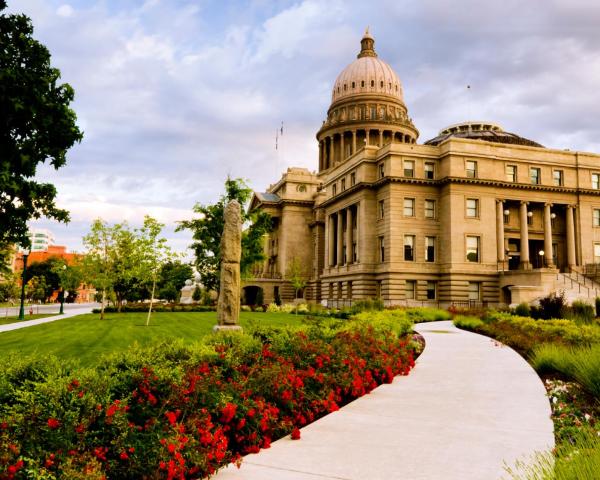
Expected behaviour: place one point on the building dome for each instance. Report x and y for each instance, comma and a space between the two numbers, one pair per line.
367, 75
486, 131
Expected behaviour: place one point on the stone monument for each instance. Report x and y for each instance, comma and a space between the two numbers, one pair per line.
228, 306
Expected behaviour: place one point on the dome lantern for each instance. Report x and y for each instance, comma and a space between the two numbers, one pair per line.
367, 46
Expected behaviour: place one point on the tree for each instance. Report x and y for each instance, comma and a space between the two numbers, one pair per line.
153, 254
98, 264
174, 273
207, 230
296, 275
9, 287
69, 276
45, 270
197, 294
36, 125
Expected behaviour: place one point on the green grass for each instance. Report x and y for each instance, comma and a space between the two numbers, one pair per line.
13, 319
581, 364
86, 337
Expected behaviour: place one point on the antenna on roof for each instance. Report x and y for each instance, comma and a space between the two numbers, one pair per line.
469, 112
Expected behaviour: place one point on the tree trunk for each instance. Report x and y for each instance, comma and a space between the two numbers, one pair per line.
103, 301
151, 301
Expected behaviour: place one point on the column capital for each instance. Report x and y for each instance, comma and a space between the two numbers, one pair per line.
548, 204
500, 200
524, 202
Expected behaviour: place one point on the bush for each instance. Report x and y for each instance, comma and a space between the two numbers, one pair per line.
197, 294
523, 310
581, 312
428, 314
184, 411
245, 308
367, 304
579, 364
468, 323
157, 307
273, 308
553, 305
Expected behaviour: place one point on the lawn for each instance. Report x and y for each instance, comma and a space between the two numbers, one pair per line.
86, 337
15, 318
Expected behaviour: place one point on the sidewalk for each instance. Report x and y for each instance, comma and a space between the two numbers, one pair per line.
468, 408
29, 323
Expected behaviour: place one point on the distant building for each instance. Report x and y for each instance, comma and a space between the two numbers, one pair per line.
474, 215
41, 239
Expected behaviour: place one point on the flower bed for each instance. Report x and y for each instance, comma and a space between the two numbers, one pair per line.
176, 412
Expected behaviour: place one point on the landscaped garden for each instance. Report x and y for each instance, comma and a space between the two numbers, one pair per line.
566, 354
183, 408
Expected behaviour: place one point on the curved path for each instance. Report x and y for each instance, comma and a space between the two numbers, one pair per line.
73, 312
469, 407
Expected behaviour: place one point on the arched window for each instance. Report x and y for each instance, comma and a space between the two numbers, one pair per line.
381, 84
372, 83
362, 83
345, 87
353, 85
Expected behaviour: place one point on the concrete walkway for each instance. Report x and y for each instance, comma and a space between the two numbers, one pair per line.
38, 321
469, 407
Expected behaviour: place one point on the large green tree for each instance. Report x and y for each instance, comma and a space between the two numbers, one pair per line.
36, 126
207, 229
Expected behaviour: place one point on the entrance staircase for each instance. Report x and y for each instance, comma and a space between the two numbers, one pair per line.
577, 287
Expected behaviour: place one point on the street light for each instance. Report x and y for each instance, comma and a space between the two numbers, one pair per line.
541, 252
22, 309
62, 294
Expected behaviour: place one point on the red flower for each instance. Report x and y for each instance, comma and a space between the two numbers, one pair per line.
171, 417
228, 412
53, 423
123, 456
296, 433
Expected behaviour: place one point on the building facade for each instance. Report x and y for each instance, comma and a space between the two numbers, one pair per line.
475, 214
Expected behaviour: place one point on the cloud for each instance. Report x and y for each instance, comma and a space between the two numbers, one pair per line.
174, 96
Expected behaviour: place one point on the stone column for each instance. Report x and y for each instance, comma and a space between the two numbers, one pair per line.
380, 138
348, 235
367, 131
342, 152
525, 263
500, 231
331, 151
353, 142
320, 156
548, 236
357, 220
228, 307
331, 242
340, 238
571, 259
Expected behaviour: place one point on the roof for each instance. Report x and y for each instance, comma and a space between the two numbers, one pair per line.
485, 131
267, 197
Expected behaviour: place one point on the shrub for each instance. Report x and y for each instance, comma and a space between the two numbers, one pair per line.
427, 314
581, 312
143, 307
367, 304
468, 323
197, 294
553, 305
245, 308
523, 310
273, 308
181, 411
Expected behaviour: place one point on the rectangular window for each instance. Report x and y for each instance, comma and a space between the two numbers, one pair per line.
429, 170
473, 249
534, 173
471, 167
409, 248
511, 173
429, 208
557, 178
596, 252
596, 217
352, 179
381, 170
354, 252
472, 207
381, 249
431, 290
334, 189
409, 289
596, 181
373, 112
474, 291
409, 207
409, 168
343, 184
381, 209
430, 249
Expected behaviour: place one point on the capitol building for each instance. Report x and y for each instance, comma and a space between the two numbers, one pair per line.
476, 214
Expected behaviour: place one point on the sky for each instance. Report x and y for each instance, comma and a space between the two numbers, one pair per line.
175, 95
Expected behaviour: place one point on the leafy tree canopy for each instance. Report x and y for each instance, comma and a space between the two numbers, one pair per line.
36, 125
207, 230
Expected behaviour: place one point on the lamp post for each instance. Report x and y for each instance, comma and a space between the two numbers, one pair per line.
22, 309
541, 252
62, 293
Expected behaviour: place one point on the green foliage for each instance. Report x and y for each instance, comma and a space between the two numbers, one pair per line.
577, 461
45, 272
142, 307
553, 306
468, 323
168, 292
367, 304
428, 314
297, 275
36, 126
9, 287
581, 312
207, 230
197, 294
523, 310
174, 273
580, 364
